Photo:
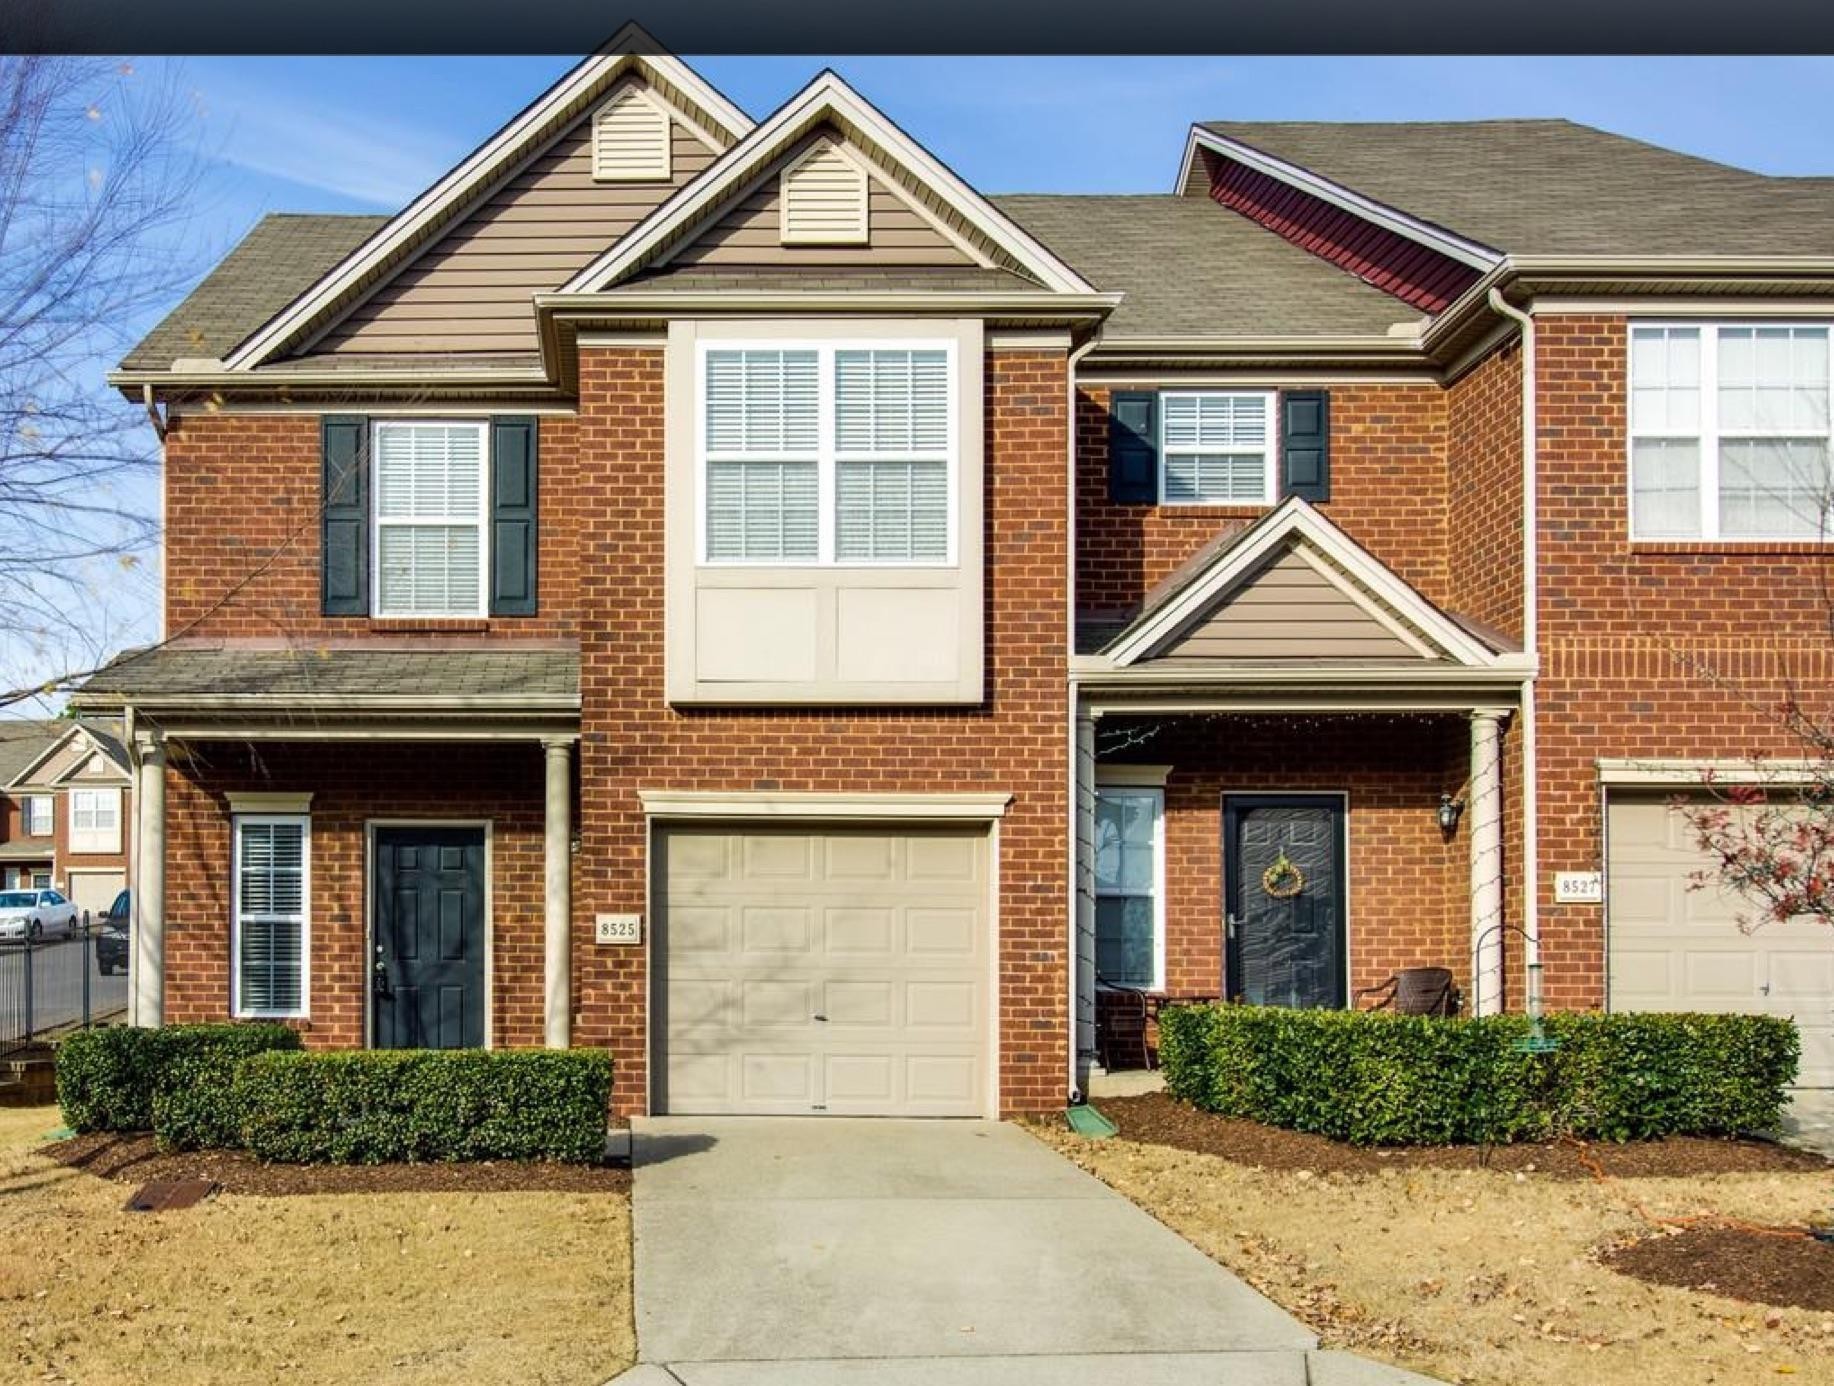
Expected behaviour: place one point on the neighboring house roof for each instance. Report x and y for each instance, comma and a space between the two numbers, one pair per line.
24, 741
1553, 187
76, 742
1187, 271
30, 849
285, 254
509, 676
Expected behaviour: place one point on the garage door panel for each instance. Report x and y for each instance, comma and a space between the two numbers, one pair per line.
885, 934
1673, 948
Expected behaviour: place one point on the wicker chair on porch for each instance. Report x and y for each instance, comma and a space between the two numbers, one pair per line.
1414, 991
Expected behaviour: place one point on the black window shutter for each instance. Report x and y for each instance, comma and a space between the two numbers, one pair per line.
512, 517
1133, 447
1305, 444
344, 446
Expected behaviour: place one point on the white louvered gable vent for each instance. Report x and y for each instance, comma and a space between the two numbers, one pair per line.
823, 197
630, 142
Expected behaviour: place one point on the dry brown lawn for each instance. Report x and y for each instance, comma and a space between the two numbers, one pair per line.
1481, 1276
402, 1288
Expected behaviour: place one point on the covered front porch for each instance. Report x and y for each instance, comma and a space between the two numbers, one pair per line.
1290, 791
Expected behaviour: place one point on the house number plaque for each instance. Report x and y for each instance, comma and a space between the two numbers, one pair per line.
618, 928
1579, 887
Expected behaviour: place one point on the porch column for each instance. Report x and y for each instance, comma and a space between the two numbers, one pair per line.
1083, 1036
558, 896
1486, 809
147, 962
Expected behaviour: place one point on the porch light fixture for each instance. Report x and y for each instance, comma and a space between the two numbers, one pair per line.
1450, 810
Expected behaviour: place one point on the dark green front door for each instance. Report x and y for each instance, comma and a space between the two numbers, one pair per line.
1283, 864
427, 973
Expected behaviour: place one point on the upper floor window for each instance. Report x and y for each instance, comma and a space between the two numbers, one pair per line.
1216, 448
828, 453
38, 815
430, 535
1729, 431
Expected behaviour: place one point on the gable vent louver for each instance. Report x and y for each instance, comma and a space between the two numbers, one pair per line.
823, 196
630, 142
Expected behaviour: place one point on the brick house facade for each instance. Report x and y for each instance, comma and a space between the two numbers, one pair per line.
1156, 622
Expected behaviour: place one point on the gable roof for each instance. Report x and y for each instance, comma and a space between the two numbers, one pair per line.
99, 736
1213, 578
827, 100
460, 188
26, 741
1185, 271
1552, 187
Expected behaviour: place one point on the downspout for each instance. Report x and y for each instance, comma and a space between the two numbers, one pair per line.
1073, 821
1531, 642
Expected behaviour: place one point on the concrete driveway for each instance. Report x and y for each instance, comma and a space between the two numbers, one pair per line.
831, 1251
1809, 1121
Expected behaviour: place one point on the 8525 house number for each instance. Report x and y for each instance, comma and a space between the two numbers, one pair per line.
618, 928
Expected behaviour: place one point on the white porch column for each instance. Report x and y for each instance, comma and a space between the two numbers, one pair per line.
558, 897
1486, 810
1085, 893
147, 962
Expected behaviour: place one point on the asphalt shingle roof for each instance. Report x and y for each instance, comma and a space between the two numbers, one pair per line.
536, 675
1189, 268
1552, 187
283, 256
24, 740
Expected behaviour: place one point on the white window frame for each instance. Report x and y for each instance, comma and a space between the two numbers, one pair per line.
237, 1009
1156, 796
32, 801
1270, 487
828, 455
1707, 436
97, 796
376, 522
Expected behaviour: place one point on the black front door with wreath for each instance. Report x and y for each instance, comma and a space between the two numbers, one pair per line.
1283, 888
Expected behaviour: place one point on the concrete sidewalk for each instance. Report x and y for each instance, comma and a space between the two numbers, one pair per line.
834, 1252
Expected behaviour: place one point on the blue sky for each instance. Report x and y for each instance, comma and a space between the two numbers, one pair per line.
365, 135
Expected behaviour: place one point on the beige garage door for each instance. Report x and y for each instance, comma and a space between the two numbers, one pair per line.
95, 891
841, 972
1676, 949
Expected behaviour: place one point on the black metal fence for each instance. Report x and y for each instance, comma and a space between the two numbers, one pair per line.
53, 985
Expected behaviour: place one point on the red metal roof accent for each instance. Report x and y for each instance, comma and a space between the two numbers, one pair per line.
1411, 272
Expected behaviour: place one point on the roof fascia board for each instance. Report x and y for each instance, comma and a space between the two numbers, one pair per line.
623, 50
1295, 516
625, 303
332, 702
1472, 253
828, 95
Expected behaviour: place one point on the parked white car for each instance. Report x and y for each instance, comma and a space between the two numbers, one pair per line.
34, 913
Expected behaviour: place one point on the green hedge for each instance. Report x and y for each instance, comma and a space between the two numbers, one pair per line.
175, 1080
1373, 1078
378, 1106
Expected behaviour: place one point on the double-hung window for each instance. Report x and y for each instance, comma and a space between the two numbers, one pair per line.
271, 934
95, 820
1729, 431
38, 815
431, 546
1216, 447
1129, 887
828, 454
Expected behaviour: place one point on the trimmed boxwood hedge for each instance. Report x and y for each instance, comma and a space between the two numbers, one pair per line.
174, 1080
1373, 1078
380, 1106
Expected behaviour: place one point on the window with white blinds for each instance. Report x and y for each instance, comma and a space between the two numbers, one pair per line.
1730, 431
272, 886
430, 494
1216, 448
825, 454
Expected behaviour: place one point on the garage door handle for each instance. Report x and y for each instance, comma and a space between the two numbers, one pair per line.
821, 1017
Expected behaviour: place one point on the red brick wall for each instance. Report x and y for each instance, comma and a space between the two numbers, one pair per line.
243, 538
1648, 650
351, 785
1388, 488
1015, 741
1484, 491
1408, 882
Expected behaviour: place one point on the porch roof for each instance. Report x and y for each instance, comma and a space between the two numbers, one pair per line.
25, 851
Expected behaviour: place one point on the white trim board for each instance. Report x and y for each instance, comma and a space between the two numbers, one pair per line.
811, 806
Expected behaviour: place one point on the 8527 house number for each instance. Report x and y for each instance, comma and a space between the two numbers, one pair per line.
618, 928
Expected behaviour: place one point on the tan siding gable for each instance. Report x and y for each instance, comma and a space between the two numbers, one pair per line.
750, 232
470, 291
1289, 609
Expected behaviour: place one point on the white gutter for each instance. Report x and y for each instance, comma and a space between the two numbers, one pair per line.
1072, 1089
1531, 837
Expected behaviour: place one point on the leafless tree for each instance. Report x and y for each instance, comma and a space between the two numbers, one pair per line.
97, 178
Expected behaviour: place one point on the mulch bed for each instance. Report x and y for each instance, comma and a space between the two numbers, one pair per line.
1155, 1119
1787, 1271
136, 1159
